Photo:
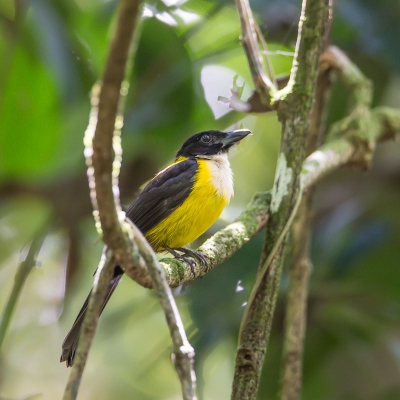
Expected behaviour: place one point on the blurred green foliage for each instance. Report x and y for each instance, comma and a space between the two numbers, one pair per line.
188, 54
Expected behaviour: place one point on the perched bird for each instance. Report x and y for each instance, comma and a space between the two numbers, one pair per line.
177, 206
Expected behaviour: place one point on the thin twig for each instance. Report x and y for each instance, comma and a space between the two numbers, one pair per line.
249, 40
266, 55
296, 304
21, 275
183, 351
102, 277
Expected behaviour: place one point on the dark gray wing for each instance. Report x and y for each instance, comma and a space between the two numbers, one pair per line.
162, 195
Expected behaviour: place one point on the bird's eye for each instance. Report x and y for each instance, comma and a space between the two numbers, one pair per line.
206, 138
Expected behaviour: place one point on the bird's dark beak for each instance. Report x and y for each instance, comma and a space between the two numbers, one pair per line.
234, 137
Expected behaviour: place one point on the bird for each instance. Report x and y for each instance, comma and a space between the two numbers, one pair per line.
176, 207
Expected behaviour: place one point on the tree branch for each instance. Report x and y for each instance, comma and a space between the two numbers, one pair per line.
89, 325
294, 110
300, 265
124, 241
295, 320
223, 245
21, 275
183, 351
262, 82
361, 130
103, 147
296, 306
103, 159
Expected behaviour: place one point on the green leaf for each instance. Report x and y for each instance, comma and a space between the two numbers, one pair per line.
29, 123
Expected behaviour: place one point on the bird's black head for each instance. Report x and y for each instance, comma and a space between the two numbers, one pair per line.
209, 143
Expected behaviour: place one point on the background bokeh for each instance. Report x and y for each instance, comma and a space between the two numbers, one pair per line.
188, 53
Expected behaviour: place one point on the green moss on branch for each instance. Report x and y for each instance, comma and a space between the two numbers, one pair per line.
224, 244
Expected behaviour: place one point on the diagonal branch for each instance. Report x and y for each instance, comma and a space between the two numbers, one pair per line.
266, 55
183, 351
21, 275
223, 245
299, 270
101, 279
262, 82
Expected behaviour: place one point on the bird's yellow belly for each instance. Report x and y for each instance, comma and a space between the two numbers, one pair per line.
190, 220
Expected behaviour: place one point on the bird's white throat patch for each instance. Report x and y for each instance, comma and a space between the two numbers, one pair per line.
221, 174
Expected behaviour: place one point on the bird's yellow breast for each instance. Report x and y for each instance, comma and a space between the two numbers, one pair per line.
211, 192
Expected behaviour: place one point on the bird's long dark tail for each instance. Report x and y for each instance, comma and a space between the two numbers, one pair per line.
71, 340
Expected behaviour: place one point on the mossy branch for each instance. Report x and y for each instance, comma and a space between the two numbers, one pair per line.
223, 245
294, 112
300, 265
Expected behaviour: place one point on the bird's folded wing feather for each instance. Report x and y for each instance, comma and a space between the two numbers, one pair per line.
162, 195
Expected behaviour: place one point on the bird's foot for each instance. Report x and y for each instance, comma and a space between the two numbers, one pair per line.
188, 256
